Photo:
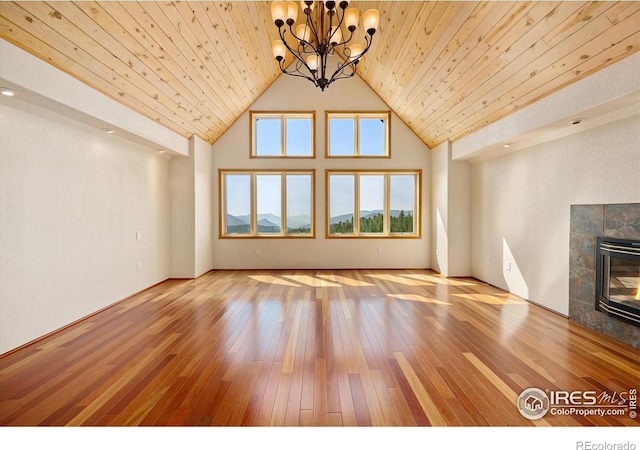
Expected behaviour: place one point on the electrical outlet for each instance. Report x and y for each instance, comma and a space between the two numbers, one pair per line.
489, 260
139, 267
138, 235
508, 265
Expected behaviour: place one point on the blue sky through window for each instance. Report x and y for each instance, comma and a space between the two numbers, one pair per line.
342, 137
268, 137
402, 192
298, 137
371, 137
238, 194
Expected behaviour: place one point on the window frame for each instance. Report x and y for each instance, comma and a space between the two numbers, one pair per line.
386, 234
283, 116
253, 229
356, 116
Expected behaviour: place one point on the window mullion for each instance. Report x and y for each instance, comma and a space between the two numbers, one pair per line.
283, 204
417, 202
356, 204
283, 135
387, 205
254, 205
356, 135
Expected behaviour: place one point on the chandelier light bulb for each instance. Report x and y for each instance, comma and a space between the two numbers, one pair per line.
279, 13
370, 20
312, 62
355, 51
303, 32
292, 12
336, 37
278, 49
351, 18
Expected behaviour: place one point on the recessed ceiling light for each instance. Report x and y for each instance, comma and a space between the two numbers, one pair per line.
7, 92
108, 130
160, 151
507, 145
577, 121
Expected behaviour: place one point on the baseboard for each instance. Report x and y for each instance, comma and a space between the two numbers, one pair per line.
38, 339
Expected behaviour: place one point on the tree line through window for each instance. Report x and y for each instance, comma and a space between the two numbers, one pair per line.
364, 203
282, 203
268, 203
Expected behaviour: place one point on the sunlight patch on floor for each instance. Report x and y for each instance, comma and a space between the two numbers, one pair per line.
492, 299
272, 280
345, 280
418, 298
311, 281
440, 280
398, 279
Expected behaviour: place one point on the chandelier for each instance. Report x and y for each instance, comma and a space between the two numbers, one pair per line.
320, 37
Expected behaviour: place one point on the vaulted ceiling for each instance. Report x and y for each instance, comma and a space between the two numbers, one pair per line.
445, 68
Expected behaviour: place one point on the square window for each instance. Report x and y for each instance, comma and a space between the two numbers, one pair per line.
282, 135
358, 135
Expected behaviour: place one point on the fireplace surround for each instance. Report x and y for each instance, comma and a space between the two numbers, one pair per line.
587, 223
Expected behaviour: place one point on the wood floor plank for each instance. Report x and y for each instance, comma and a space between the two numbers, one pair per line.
312, 348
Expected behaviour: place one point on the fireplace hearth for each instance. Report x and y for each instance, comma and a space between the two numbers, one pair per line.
618, 278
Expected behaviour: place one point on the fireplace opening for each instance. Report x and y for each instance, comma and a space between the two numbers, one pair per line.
618, 278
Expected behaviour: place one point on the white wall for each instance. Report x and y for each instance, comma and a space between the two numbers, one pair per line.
192, 211
231, 151
520, 206
183, 217
204, 206
451, 213
459, 229
72, 199
440, 207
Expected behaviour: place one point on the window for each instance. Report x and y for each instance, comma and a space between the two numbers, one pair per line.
282, 135
267, 203
373, 204
358, 135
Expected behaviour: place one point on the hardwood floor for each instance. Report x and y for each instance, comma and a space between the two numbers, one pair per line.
303, 348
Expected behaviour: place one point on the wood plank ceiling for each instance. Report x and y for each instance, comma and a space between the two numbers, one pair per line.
446, 68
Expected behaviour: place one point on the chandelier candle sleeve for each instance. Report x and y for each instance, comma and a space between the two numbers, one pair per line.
279, 11
325, 29
370, 20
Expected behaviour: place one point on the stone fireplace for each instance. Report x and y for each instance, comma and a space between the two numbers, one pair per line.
603, 268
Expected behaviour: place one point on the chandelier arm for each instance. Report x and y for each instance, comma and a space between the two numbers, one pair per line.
344, 43
312, 27
294, 53
340, 74
352, 63
338, 25
301, 43
368, 40
296, 72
